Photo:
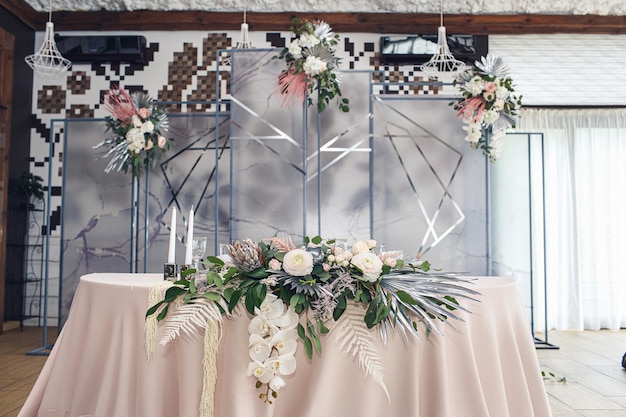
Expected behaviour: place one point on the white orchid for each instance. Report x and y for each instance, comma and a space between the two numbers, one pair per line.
282, 364
260, 348
261, 371
285, 342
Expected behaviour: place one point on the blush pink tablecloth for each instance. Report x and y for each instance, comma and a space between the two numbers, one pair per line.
485, 367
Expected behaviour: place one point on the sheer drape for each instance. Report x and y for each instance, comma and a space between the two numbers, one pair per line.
585, 188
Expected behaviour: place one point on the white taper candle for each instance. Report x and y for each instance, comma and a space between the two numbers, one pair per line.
189, 238
171, 253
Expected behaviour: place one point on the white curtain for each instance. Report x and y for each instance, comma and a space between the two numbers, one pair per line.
585, 189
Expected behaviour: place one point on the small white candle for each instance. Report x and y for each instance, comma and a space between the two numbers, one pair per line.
189, 238
171, 253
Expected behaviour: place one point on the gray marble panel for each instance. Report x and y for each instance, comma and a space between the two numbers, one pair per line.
429, 186
96, 220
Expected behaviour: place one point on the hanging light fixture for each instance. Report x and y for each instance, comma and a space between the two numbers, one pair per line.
442, 61
244, 40
48, 62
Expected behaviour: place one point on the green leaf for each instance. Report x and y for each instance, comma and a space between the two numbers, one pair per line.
316, 339
259, 273
294, 300
316, 240
340, 308
301, 331
154, 308
250, 302
213, 296
215, 260
163, 313
232, 272
370, 319
453, 301
172, 293
382, 312
255, 296
214, 277
425, 266
308, 346
320, 326
234, 299
406, 297
187, 272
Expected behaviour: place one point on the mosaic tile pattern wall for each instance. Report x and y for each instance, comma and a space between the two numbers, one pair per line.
182, 67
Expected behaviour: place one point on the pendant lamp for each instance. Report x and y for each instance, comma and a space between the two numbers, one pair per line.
442, 61
48, 62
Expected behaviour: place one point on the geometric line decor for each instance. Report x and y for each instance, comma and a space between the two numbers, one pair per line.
426, 164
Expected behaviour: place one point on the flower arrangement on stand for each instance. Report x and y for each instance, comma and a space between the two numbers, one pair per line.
137, 126
312, 67
298, 293
488, 106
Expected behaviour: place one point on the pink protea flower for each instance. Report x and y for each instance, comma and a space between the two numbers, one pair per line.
471, 109
120, 104
293, 86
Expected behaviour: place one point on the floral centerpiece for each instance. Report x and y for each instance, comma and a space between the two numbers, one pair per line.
137, 126
312, 66
300, 293
488, 107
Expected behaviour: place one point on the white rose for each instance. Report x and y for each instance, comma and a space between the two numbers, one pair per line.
295, 49
308, 41
360, 246
502, 92
475, 86
136, 140
338, 250
489, 96
136, 121
369, 263
147, 127
298, 262
490, 116
498, 105
391, 262
275, 264
313, 66
371, 243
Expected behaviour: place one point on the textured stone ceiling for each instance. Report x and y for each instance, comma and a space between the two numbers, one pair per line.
561, 7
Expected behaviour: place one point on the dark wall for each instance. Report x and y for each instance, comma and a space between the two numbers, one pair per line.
21, 122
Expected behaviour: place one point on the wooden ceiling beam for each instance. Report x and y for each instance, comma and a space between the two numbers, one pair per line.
384, 23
